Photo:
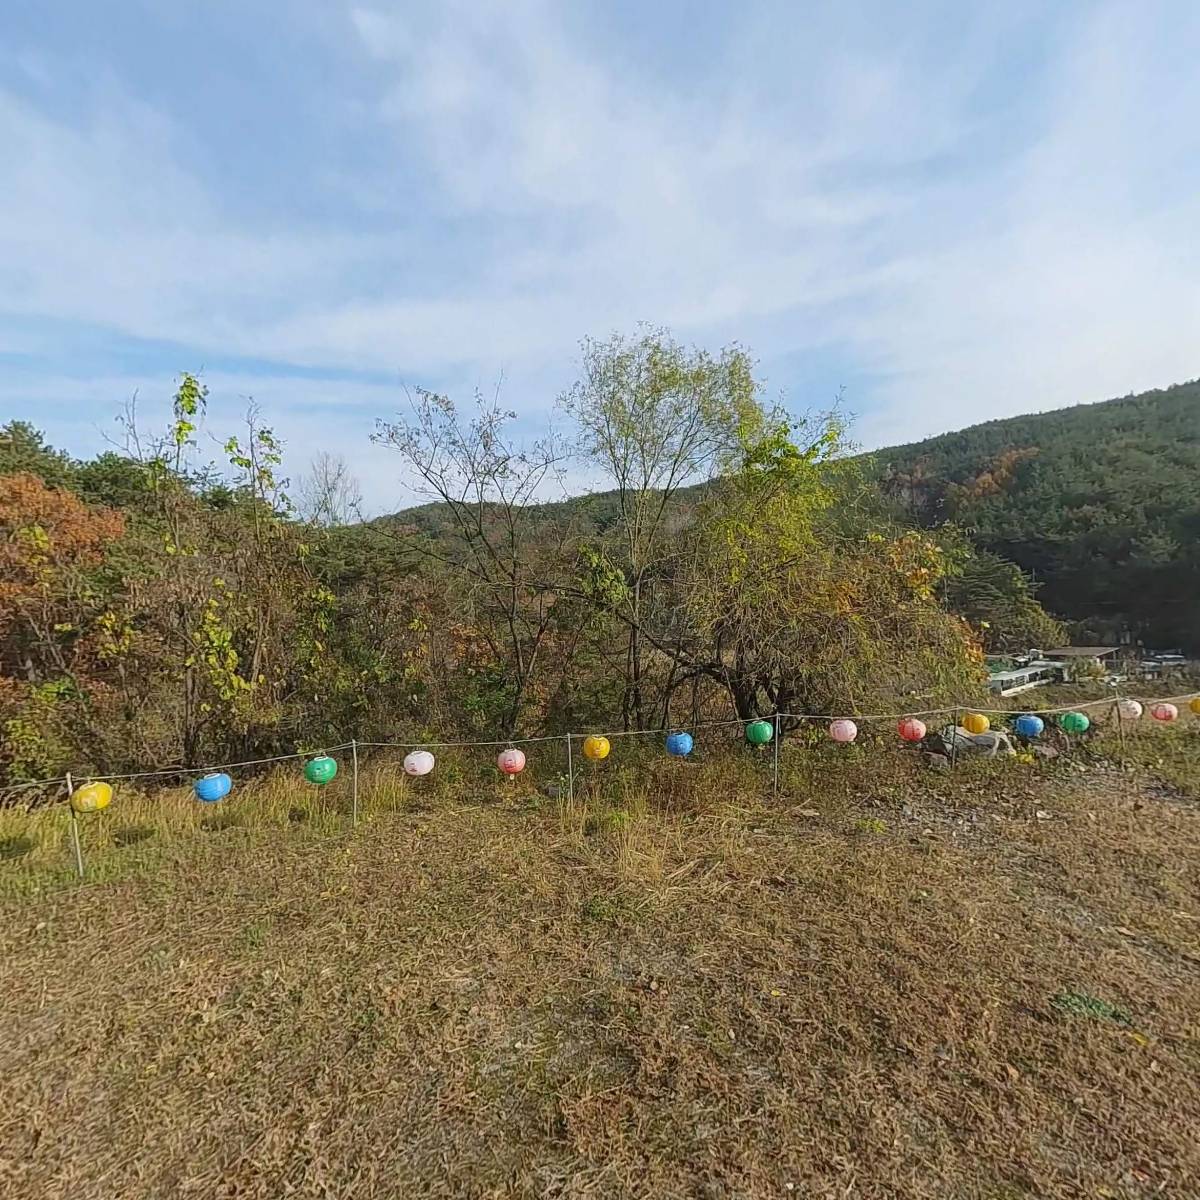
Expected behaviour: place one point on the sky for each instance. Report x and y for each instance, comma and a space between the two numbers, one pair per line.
948, 212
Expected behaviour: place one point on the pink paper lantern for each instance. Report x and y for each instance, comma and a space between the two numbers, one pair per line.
511, 762
910, 729
1164, 712
843, 730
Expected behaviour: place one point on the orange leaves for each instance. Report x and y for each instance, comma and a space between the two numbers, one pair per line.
997, 477
49, 540
43, 528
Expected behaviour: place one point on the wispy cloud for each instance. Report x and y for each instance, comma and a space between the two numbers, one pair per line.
960, 215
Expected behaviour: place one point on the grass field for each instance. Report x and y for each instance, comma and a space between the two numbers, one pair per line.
887, 983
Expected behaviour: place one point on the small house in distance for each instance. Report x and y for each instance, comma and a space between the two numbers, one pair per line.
1009, 679
1082, 660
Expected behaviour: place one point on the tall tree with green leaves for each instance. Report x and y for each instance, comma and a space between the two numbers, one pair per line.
654, 417
796, 602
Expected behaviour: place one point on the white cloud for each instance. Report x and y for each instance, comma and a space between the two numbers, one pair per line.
1082, 280
309, 415
973, 243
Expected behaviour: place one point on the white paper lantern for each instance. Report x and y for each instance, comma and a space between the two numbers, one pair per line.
419, 762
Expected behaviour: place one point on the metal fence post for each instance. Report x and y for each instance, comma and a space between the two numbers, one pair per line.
354, 795
570, 771
954, 740
775, 785
75, 843
1120, 725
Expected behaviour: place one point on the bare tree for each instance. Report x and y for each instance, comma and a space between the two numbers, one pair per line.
328, 494
507, 552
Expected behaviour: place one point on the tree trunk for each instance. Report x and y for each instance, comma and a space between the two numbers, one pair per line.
635, 656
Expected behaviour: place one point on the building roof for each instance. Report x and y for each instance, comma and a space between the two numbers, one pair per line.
1081, 651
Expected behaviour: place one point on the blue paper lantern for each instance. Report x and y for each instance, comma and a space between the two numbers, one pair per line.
1028, 726
679, 744
213, 787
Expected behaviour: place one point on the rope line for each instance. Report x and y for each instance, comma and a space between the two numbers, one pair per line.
82, 778
547, 737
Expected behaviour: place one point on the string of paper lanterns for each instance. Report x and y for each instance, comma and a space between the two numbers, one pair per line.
97, 795
323, 769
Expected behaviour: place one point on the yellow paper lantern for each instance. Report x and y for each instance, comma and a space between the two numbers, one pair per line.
1194, 705
92, 797
976, 723
596, 747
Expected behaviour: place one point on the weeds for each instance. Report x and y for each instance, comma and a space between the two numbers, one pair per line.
870, 825
1082, 1004
606, 910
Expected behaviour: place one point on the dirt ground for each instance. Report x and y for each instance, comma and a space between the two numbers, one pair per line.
974, 990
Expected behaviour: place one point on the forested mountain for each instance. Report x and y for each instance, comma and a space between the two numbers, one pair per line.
1099, 503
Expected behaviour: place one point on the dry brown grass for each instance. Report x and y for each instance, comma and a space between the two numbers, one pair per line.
888, 983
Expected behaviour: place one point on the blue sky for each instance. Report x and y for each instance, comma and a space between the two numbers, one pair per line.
953, 211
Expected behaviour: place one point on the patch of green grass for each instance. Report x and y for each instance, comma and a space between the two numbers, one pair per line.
870, 825
606, 910
254, 935
218, 821
611, 821
1171, 752
1083, 1004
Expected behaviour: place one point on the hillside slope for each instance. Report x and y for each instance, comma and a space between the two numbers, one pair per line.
1100, 503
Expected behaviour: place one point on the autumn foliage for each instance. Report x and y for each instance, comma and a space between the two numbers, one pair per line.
739, 564
51, 547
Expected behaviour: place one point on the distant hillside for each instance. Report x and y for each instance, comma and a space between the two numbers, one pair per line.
593, 512
1100, 503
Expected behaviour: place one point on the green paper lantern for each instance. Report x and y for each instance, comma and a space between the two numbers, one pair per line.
1074, 722
320, 770
759, 733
